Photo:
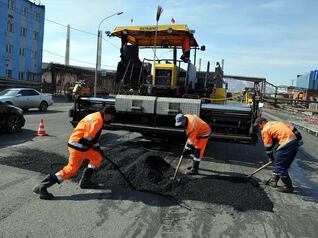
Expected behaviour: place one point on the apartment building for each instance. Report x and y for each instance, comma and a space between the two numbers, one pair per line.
21, 42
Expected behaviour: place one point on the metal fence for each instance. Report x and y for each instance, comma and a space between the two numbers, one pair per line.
283, 97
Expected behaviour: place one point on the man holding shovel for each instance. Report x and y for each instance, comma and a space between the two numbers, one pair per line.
281, 143
198, 132
83, 144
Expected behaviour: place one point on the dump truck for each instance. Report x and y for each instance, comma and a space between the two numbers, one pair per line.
148, 93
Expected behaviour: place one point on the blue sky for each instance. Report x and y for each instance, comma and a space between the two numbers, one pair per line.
274, 39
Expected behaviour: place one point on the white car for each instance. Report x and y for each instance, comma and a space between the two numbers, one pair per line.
26, 98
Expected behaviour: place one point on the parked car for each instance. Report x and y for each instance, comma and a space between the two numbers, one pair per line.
11, 118
26, 98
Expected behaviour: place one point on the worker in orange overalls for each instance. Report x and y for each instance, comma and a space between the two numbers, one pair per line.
198, 132
83, 144
281, 141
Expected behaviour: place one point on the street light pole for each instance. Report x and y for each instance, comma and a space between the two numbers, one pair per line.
99, 49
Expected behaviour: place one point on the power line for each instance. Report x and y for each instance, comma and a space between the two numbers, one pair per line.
28, 20
50, 52
60, 24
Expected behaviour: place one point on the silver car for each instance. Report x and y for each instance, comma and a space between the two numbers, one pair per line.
26, 98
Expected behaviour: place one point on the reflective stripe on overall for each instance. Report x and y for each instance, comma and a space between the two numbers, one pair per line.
81, 145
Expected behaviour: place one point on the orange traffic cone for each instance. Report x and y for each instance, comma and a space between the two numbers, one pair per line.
41, 130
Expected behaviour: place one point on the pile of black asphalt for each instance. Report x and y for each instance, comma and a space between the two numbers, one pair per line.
152, 172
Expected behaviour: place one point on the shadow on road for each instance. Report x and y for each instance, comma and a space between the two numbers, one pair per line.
304, 170
123, 194
18, 138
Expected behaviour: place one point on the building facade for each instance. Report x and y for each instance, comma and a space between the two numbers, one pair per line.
60, 79
21, 43
308, 81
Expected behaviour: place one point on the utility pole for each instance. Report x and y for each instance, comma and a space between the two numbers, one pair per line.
67, 50
99, 50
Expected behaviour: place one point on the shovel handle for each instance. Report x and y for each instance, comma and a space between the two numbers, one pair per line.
177, 168
260, 168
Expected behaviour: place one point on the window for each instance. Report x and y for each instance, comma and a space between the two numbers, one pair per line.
25, 11
10, 4
22, 51
31, 76
24, 93
10, 24
9, 48
35, 35
9, 73
23, 31
36, 16
34, 53
33, 93
21, 75
10, 27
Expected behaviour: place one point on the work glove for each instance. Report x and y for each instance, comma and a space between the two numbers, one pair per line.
186, 152
300, 142
270, 157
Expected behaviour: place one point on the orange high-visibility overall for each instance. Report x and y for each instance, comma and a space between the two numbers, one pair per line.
198, 132
81, 145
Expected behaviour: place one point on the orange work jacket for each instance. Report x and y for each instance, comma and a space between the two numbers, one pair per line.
87, 132
280, 131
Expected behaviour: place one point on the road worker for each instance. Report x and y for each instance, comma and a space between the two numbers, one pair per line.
281, 141
198, 132
83, 144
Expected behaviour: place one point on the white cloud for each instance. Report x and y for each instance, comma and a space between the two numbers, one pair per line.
273, 4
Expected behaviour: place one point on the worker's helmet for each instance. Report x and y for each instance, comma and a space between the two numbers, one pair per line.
110, 110
180, 119
259, 121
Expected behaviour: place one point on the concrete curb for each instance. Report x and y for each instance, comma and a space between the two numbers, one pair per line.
304, 128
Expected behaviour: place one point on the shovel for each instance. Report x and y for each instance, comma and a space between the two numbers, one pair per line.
259, 169
249, 177
177, 168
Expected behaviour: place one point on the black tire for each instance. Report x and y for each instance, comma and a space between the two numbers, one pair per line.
10, 103
13, 123
43, 106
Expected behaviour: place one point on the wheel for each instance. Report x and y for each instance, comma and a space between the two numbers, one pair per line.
14, 123
43, 106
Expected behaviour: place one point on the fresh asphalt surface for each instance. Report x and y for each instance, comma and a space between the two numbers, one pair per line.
120, 212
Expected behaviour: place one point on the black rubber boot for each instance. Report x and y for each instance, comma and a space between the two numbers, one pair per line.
86, 182
194, 169
273, 181
287, 187
41, 189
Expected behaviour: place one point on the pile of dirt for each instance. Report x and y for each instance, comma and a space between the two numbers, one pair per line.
149, 171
